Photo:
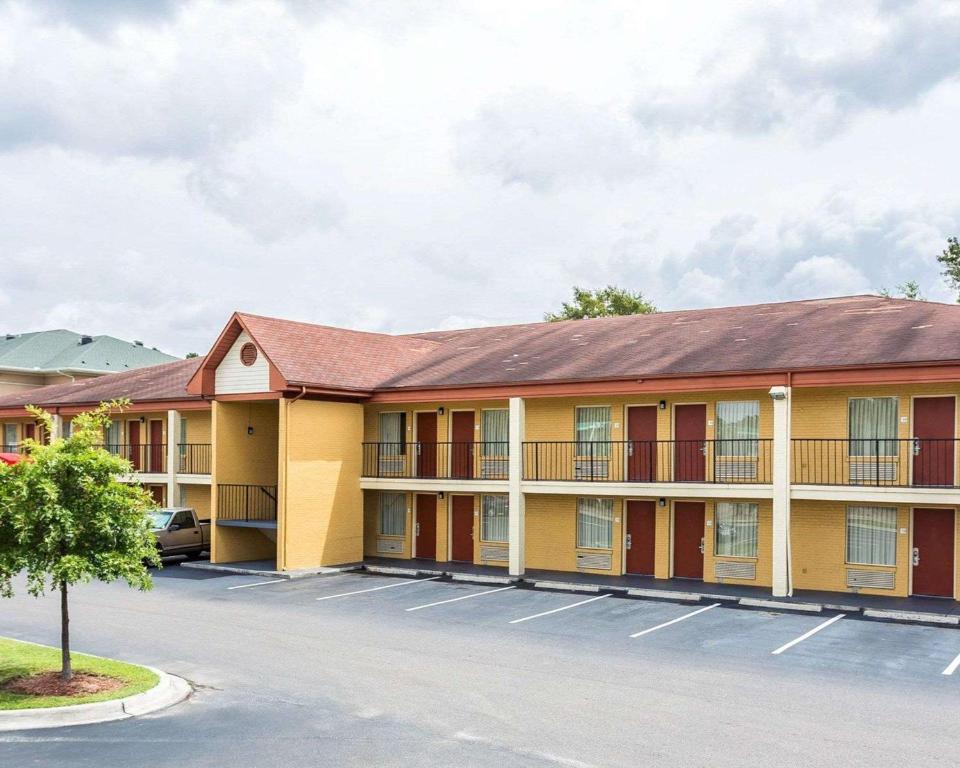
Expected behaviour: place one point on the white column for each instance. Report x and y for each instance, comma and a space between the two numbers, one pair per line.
173, 435
516, 527
782, 585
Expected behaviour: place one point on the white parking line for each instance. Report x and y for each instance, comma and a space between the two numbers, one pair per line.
257, 584
673, 621
462, 597
557, 610
953, 666
805, 635
374, 589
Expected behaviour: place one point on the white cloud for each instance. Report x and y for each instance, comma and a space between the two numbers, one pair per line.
825, 276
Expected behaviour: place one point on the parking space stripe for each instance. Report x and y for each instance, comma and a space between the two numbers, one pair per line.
374, 589
674, 621
257, 584
557, 610
457, 599
953, 666
805, 635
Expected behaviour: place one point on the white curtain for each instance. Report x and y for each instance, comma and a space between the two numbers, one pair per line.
391, 434
9, 435
595, 523
393, 513
872, 535
738, 427
495, 518
495, 429
113, 436
736, 533
593, 430
873, 426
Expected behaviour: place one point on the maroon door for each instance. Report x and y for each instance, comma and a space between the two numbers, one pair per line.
426, 516
156, 446
461, 524
933, 433
933, 544
642, 445
427, 444
157, 491
641, 536
461, 451
688, 517
134, 447
690, 446
30, 431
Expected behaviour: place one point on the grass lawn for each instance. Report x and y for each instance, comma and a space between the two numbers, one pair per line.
19, 659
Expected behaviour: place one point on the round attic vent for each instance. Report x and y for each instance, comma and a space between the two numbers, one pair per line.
248, 354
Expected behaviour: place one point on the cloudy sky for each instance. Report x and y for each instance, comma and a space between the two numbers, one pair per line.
400, 166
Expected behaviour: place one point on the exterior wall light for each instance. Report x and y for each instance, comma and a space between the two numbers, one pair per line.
778, 393
663, 405
250, 430
662, 502
440, 410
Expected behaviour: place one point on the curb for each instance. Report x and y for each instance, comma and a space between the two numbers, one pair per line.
169, 691
298, 574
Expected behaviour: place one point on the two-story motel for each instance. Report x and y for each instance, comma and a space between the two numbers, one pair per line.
800, 445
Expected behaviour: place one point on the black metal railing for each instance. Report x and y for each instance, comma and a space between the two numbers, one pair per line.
895, 463
247, 503
143, 457
650, 461
446, 461
194, 458
13, 448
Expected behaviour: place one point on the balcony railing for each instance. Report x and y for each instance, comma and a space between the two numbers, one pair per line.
143, 457
653, 461
12, 448
446, 461
247, 503
894, 463
194, 458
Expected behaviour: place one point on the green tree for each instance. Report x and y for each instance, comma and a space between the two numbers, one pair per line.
66, 519
191, 355
950, 261
908, 290
602, 302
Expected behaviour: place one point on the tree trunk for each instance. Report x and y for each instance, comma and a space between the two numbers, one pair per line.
66, 669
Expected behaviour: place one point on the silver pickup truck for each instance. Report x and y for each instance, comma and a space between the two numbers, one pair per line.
180, 532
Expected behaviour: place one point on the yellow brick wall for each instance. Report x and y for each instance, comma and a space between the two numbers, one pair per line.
198, 497
371, 527
551, 534
232, 545
321, 505
198, 426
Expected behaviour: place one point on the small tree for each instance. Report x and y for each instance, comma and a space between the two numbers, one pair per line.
66, 519
950, 261
908, 290
603, 302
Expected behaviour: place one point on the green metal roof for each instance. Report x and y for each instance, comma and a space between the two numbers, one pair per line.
61, 350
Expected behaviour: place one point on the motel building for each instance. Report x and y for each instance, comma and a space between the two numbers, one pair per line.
808, 445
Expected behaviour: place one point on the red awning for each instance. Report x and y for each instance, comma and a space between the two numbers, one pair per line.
11, 458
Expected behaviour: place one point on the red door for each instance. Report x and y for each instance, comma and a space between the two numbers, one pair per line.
641, 536
461, 451
690, 435
933, 544
688, 518
427, 444
642, 445
461, 524
157, 491
933, 448
30, 431
426, 515
156, 446
134, 447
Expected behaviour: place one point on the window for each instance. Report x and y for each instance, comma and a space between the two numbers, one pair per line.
872, 535
592, 427
67, 428
738, 427
9, 435
494, 518
873, 426
184, 520
393, 514
393, 434
495, 432
736, 529
595, 523
113, 437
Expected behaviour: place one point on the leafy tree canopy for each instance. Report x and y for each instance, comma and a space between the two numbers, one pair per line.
950, 261
602, 302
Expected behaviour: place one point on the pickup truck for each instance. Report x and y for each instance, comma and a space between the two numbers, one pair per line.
180, 532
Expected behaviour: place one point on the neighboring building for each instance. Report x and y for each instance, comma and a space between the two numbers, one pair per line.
801, 445
38, 359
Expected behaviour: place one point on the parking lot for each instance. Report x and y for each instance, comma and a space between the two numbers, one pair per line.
369, 669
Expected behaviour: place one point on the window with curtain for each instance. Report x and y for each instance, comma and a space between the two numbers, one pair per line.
9, 435
592, 427
873, 426
736, 529
393, 434
183, 437
872, 535
113, 438
738, 427
495, 432
67, 428
494, 518
393, 513
595, 523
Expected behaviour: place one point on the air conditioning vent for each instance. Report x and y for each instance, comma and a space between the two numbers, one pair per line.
736, 470
857, 577
391, 466
591, 469
494, 468
595, 561
494, 553
869, 471
390, 546
724, 570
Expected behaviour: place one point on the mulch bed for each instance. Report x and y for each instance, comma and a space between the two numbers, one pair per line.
50, 684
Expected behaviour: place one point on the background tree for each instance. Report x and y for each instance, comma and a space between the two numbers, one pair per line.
908, 290
66, 519
950, 261
603, 302
191, 355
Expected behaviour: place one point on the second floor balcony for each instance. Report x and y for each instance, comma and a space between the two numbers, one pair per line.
442, 461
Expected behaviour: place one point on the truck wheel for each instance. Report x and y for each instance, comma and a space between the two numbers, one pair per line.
195, 555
